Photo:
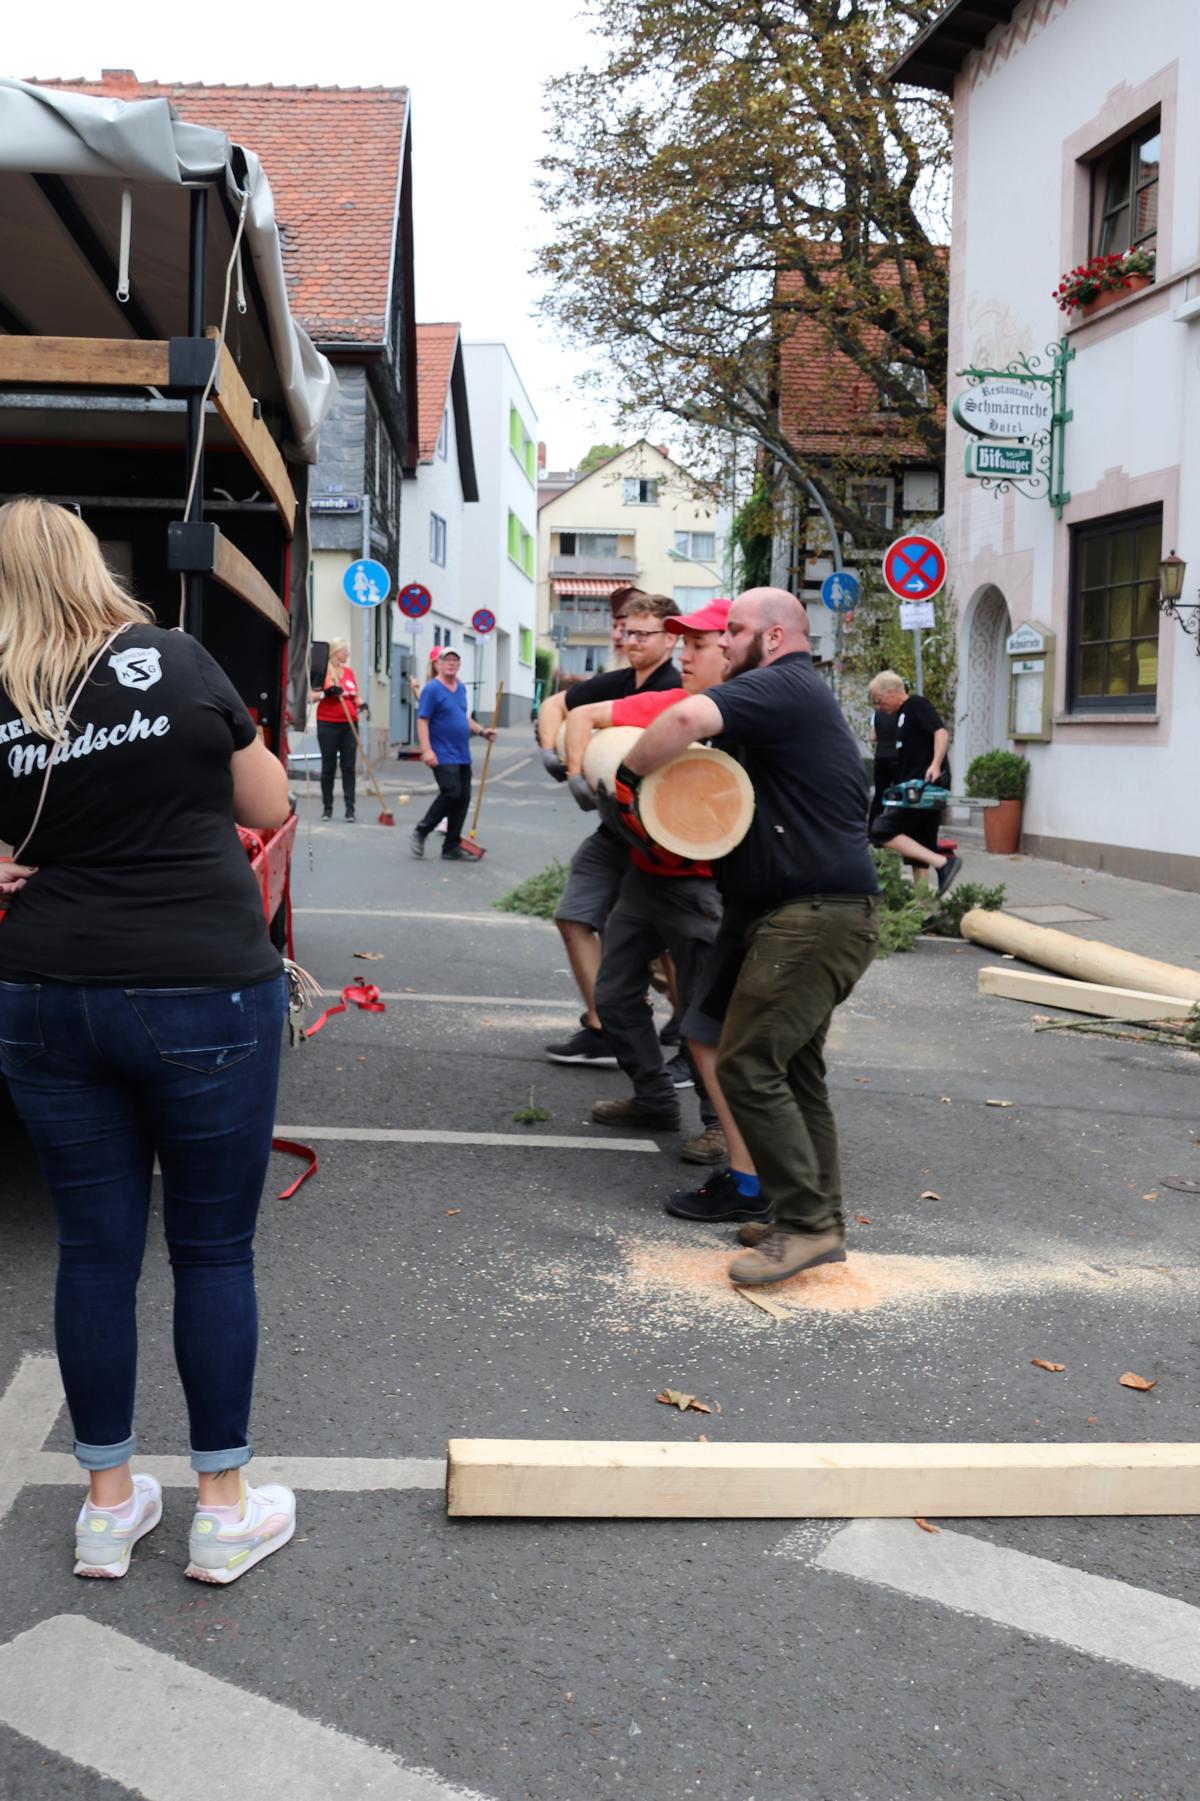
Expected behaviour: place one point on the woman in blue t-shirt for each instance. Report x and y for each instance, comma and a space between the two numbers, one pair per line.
141, 1013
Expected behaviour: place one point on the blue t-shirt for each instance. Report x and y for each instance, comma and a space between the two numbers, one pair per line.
446, 711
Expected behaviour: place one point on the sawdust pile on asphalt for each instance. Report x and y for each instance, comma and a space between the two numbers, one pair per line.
672, 1278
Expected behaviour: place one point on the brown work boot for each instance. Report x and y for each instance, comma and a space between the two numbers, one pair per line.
632, 1112
784, 1254
754, 1231
709, 1147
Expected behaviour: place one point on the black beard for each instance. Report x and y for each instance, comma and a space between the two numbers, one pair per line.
752, 656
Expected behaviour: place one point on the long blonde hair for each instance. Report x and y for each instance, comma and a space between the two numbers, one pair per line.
59, 601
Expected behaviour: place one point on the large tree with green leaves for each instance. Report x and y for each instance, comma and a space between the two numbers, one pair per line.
726, 167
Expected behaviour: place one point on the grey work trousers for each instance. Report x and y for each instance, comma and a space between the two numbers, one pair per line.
653, 913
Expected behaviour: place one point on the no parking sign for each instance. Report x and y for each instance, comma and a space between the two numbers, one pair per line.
914, 568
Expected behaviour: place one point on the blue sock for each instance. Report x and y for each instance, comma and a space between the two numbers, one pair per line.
747, 1186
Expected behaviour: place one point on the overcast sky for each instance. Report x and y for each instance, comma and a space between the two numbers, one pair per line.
475, 69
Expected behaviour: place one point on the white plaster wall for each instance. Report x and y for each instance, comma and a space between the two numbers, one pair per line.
436, 489
1133, 386
490, 577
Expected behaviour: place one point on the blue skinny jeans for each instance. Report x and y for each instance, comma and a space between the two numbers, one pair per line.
105, 1079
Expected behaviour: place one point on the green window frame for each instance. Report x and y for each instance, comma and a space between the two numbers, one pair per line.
514, 537
526, 651
527, 553
1114, 614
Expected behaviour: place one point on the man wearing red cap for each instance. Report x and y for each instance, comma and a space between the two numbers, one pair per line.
666, 903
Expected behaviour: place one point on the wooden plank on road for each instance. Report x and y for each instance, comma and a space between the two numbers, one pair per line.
598, 1479
1079, 997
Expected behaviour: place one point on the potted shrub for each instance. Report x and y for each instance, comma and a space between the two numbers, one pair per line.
1102, 280
1002, 776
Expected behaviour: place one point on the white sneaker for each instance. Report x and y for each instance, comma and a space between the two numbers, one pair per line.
221, 1549
104, 1538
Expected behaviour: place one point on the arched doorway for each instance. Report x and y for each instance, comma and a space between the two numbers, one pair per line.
986, 628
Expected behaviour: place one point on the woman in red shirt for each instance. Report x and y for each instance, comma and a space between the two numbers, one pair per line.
334, 735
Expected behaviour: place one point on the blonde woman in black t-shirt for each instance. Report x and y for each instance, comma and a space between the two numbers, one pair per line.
141, 1013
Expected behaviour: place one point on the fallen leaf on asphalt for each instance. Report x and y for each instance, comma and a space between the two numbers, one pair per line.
862, 1079
451, 1211
1040, 1363
761, 1300
1129, 1380
946, 1101
861, 1219
370, 956
930, 1194
997, 1103
924, 1525
1091, 1419
1152, 1196
702, 1438
674, 1397
1042, 1019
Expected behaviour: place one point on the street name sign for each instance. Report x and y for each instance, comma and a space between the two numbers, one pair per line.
839, 591
1014, 461
335, 503
366, 583
914, 568
1005, 409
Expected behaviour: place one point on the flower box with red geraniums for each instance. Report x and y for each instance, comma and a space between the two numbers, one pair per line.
1104, 279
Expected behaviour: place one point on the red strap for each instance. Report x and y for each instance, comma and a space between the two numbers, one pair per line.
364, 995
293, 1149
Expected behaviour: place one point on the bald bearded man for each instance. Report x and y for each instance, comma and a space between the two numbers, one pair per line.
802, 902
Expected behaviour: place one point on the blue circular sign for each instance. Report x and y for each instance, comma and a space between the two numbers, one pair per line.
366, 583
414, 601
914, 568
483, 621
839, 591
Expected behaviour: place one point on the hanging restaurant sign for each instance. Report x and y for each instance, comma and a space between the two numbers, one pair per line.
997, 408
999, 459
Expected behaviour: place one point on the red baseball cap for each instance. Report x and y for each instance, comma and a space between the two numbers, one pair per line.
710, 618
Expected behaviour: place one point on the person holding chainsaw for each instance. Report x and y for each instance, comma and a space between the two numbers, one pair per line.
922, 742
338, 708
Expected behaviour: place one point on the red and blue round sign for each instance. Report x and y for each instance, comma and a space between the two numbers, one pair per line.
914, 568
414, 601
483, 621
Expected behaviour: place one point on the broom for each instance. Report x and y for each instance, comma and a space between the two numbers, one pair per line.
468, 839
386, 816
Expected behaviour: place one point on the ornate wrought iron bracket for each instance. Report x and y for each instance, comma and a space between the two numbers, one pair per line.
1049, 370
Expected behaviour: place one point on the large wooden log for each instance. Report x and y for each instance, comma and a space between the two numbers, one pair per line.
573, 1479
1078, 997
1086, 959
699, 805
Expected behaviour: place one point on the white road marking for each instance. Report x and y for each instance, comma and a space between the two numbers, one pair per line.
329, 1475
171, 1733
29, 1407
537, 1141
512, 769
460, 1000
1094, 1614
471, 919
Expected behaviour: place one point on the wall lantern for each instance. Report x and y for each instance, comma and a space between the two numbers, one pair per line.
1171, 572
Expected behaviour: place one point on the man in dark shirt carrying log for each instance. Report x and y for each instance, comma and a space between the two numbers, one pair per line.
800, 892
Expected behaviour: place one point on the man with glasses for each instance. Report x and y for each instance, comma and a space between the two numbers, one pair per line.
598, 866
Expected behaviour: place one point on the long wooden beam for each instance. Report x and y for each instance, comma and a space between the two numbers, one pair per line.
237, 573
580, 1479
1087, 959
236, 407
1079, 997
86, 362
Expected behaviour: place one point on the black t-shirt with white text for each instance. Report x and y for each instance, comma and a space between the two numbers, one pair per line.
618, 684
809, 831
142, 880
916, 722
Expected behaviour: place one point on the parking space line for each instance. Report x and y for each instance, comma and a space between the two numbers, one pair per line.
29, 1407
172, 1733
1094, 1614
513, 1140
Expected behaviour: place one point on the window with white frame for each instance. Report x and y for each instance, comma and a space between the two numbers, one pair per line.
700, 547
587, 544
641, 491
920, 491
1125, 192
690, 600
437, 540
875, 498
444, 435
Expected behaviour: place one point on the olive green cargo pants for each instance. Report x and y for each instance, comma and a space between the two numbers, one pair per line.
802, 960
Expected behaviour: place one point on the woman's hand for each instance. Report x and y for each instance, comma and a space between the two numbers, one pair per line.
13, 876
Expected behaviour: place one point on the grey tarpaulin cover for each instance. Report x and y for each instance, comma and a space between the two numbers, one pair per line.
53, 132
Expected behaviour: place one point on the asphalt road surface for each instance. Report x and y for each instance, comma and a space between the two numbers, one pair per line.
431, 1282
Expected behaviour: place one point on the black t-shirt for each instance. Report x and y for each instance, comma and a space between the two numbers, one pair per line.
809, 833
141, 880
916, 722
616, 684
884, 725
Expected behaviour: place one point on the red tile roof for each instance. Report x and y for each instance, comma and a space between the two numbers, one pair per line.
827, 405
333, 157
436, 348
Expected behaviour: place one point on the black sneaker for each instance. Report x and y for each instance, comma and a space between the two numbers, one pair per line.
350, 815
454, 855
680, 1072
717, 1200
327, 813
416, 843
948, 874
587, 1045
